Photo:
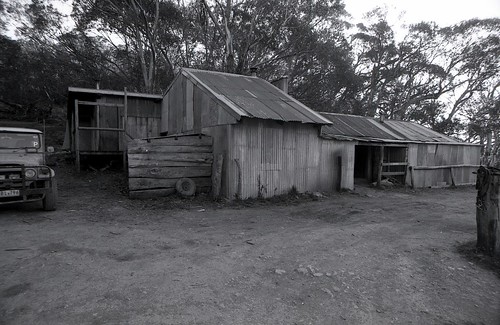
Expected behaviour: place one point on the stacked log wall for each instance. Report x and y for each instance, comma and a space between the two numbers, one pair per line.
156, 164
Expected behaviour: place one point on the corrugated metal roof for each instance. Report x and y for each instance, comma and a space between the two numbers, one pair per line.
250, 96
18, 130
112, 92
361, 128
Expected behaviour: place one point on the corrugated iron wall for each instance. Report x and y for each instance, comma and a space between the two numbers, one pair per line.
263, 158
442, 155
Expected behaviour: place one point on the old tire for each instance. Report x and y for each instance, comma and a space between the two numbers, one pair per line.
185, 187
50, 200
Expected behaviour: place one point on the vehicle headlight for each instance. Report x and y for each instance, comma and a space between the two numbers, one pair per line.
44, 172
29, 173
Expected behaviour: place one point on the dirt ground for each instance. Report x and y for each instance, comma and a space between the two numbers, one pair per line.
368, 257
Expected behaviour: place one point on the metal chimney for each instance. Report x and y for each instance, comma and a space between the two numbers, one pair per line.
382, 117
281, 83
253, 71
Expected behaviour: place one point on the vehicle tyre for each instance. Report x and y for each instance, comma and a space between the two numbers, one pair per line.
185, 187
50, 199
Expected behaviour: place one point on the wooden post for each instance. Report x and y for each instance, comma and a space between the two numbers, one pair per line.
412, 179
380, 165
217, 176
339, 173
124, 132
487, 210
98, 125
77, 136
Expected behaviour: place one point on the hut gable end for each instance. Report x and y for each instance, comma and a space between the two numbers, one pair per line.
198, 99
189, 106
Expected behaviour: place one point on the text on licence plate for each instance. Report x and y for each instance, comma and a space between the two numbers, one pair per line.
9, 193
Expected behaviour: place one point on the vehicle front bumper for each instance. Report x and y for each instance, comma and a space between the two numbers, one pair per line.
15, 188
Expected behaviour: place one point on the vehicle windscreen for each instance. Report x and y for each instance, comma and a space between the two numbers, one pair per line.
13, 140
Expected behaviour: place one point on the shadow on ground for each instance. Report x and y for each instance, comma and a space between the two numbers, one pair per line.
473, 254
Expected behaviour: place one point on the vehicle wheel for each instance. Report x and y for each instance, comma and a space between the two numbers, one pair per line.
50, 200
185, 187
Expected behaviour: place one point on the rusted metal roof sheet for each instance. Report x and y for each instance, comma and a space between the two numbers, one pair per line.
253, 97
74, 90
18, 130
361, 128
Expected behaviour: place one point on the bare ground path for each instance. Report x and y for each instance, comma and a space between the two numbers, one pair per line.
373, 257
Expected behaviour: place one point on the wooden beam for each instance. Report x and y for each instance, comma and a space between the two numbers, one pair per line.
167, 149
444, 167
452, 177
150, 194
393, 173
170, 172
192, 140
123, 139
153, 193
77, 136
163, 183
380, 165
412, 179
217, 176
395, 164
339, 173
99, 129
175, 156
100, 104
98, 125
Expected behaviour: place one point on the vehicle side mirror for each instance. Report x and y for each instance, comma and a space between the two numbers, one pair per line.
50, 149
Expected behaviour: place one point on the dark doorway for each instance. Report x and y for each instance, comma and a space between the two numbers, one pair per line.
363, 163
368, 159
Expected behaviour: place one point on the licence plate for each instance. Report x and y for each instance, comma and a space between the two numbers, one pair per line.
9, 193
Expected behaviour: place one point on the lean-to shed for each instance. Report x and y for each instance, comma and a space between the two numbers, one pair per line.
406, 151
269, 141
100, 122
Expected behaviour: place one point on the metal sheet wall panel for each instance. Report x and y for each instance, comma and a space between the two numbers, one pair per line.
273, 158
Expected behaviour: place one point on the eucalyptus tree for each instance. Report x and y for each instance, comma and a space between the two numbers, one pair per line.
142, 33
301, 39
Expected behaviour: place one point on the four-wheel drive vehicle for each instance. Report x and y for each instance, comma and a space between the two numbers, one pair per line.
24, 177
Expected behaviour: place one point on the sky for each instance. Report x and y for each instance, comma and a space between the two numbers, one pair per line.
443, 12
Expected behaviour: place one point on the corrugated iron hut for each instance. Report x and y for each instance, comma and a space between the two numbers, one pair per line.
101, 122
408, 152
269, 141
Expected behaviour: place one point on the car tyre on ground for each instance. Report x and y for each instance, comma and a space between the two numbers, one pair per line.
185, 187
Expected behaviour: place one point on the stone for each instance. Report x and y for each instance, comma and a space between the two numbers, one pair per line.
302, 270
318, 274
328, 292
280, 272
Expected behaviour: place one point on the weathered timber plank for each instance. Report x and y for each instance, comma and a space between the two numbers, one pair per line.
150, 194
170, 172
168, 149
154, 193
158, 183
176, 141
176, 156
444, 167
217, 176
154, 163
393, 173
